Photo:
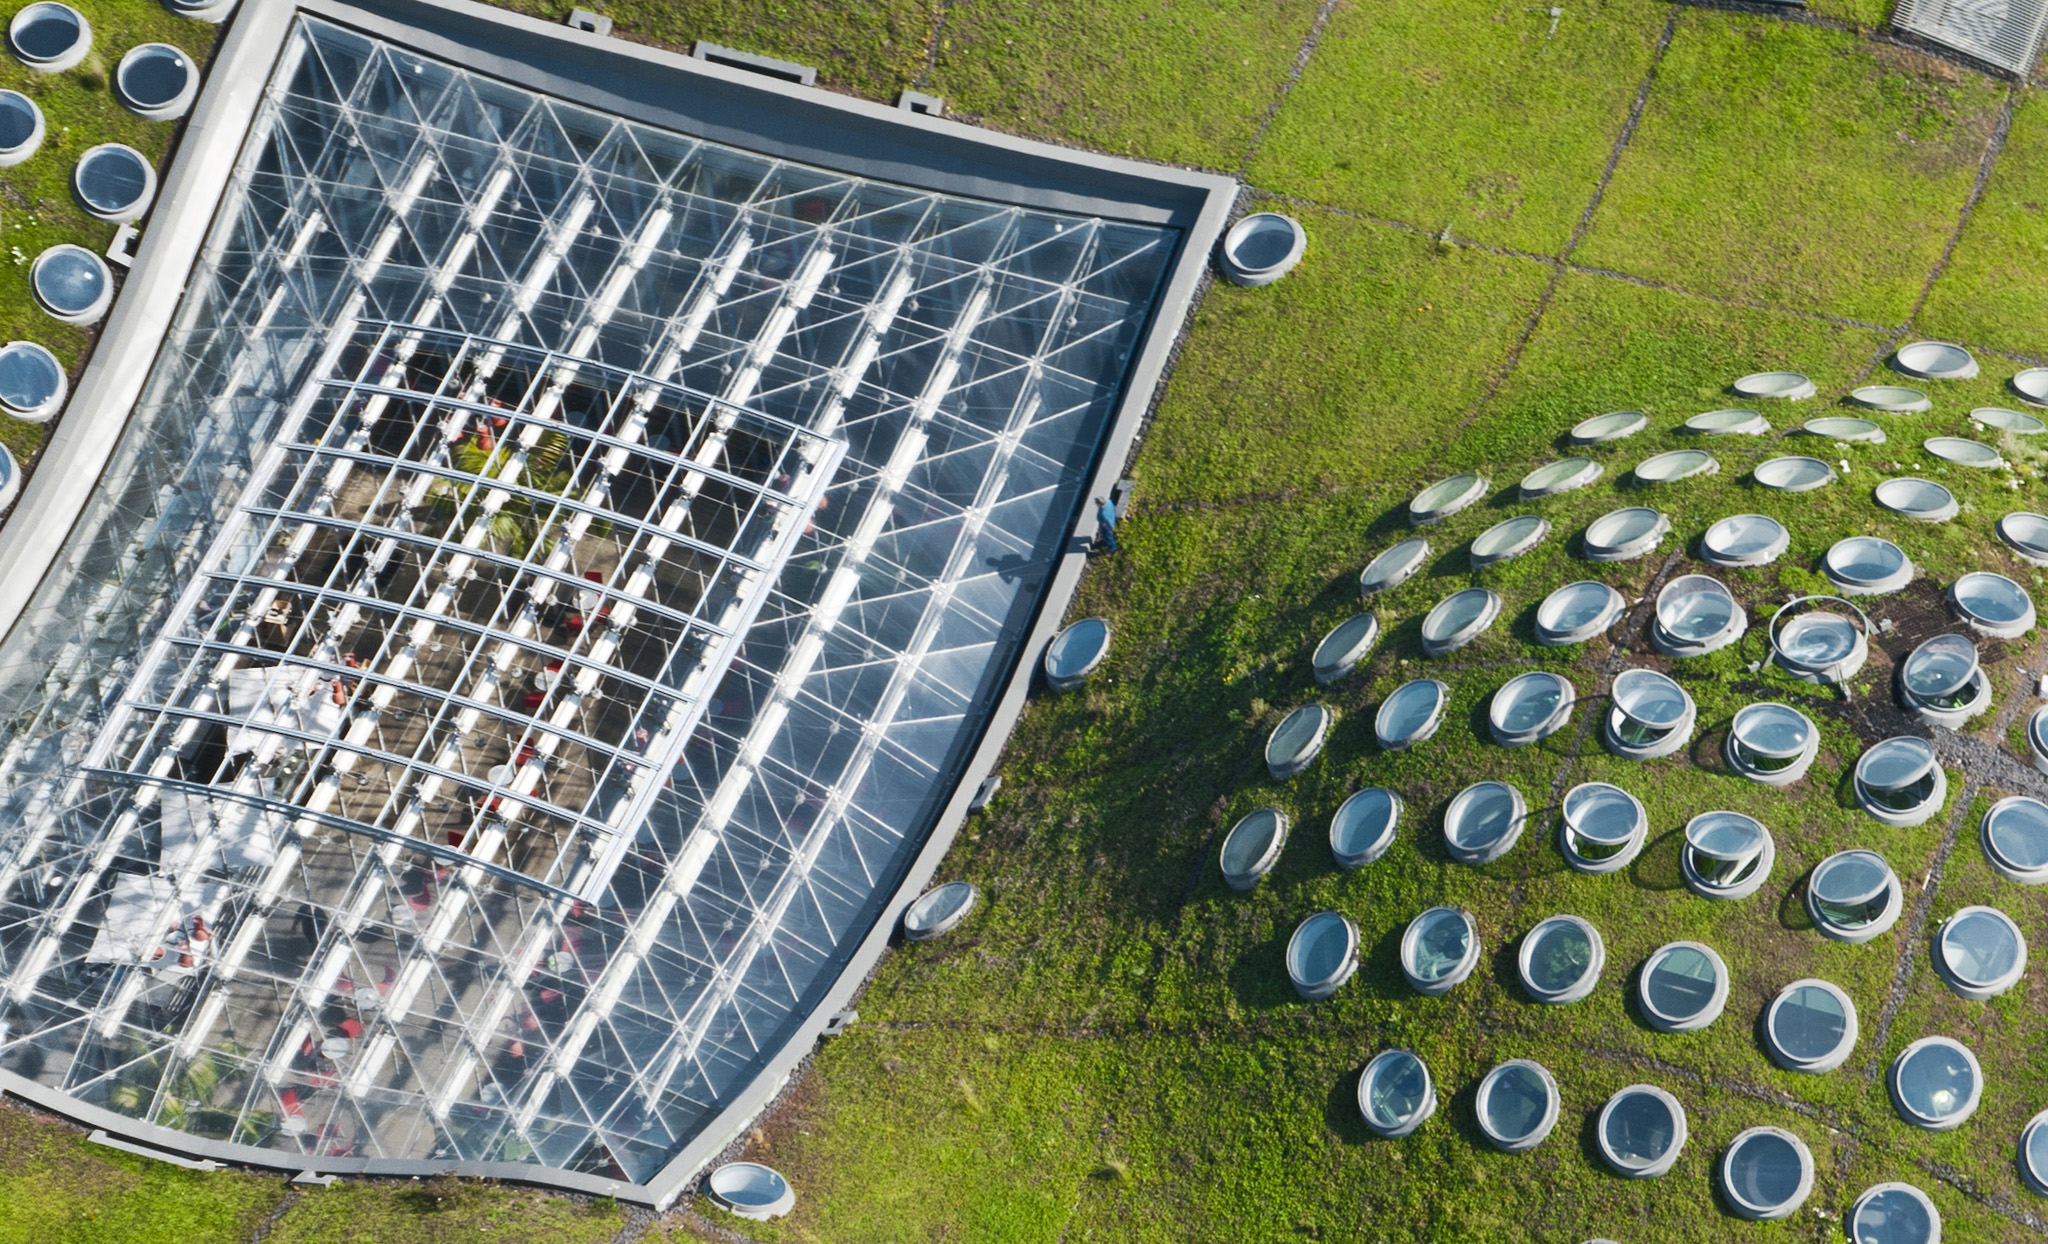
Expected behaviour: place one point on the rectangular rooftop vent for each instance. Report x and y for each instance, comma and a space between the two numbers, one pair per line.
733, 58
2005, 34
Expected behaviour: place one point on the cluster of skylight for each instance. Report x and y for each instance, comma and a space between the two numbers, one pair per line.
536, 611
1647, 713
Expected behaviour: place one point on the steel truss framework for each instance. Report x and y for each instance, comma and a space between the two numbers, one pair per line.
546, 591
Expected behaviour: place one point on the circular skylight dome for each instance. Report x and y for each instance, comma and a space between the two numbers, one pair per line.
1262, 248
1602, 827
750, 1190
1891, 397
1625, 534
2032, 386
2027, 533
1853, 896
939, 910
1794, 474
1439, 949
1609, 427
1728, 423
1942, 681
1483, 822
1920, 499
1838, 428
114, 182
1458, 619
2037, 738
1993, 604
21, 128
1650, 716
1296, 741
1510, 539
1771, 743
50, 38
156, 81
1364, 826
1810, 1026
202, 10
10, 478
1894, 1214
32, 383
1075, 653
1936, 1083
1676, 465
1788, 386
2017, 422
72, 284
1394, 567
1530, 707
1322, 954
1253, 846
1898, 781
1395, 1094
1577, 612
1517, 1105
1561, 960
1936, 360
1980, 952
1727, 855
1683, 987
2034, 1153
1641, 1131
1744, 540
1410, 715
1344, 647
1697, 614
1766, 1173
1440, 500
1866, 566
2015, 837
1963, 452
1557, 477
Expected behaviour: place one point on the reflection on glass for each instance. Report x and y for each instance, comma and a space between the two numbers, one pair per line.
1681, 982
1639, 1129
1809, 1023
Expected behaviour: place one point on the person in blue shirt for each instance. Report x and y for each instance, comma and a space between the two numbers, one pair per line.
1105, 517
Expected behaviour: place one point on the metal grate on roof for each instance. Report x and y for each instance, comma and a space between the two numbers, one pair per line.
2004, 33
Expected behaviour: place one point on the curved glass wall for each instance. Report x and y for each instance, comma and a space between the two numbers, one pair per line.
539, 607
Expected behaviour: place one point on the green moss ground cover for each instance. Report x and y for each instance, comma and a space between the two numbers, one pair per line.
1995, 289
1473, 116
1795, 165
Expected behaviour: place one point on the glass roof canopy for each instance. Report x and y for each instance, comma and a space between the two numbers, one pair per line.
542, 600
